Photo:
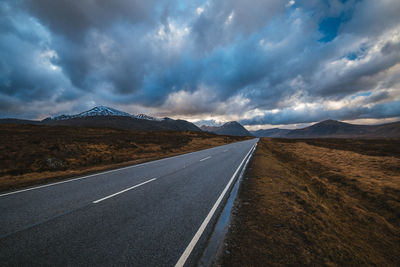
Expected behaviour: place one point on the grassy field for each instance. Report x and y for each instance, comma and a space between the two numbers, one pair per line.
32, 154
323, 202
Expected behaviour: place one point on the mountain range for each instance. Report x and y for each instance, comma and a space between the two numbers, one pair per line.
335, 129
108, 117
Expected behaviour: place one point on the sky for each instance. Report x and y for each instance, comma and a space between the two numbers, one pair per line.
275, 63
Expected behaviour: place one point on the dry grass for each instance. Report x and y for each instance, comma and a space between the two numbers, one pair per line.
305, 204
33, 154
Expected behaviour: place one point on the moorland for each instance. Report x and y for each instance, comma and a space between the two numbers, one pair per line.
318, 202
32, 154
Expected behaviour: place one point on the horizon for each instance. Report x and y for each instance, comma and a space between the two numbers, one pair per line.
289, 65
215, 124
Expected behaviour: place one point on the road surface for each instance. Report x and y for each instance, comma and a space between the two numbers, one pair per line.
158, 213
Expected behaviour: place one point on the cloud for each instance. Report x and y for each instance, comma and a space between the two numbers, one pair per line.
314, 112
270, 62
74, 18
28, 65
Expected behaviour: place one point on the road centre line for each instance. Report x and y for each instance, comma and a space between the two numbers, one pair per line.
185, 255
123, 191
206, 158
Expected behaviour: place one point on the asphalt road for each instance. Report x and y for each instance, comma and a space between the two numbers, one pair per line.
159, 213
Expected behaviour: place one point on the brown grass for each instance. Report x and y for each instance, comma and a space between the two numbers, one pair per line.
33, 154
305, 204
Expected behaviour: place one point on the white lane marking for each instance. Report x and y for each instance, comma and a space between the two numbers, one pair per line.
123, 191
100, 173
203, 226
206, 158
226, 150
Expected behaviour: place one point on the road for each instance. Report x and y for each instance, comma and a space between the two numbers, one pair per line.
158, 213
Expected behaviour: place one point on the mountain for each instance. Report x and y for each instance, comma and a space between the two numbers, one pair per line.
103, 111
274, 132
96, 111
388, 130
336, 129
112, 118
329, 128
230, 128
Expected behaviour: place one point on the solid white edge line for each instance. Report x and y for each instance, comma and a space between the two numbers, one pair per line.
123, 191
203, 226
206, 158
105, 172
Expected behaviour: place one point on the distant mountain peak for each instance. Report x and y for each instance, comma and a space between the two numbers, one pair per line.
103, 111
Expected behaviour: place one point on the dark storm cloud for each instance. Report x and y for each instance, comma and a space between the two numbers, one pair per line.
78, 28
74, 17
227, 58
26, 61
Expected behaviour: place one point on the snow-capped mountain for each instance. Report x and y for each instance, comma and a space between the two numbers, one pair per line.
103, 111
111, 118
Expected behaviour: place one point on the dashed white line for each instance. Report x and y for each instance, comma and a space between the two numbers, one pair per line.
123, 191
206, 158
226, 150
203, 226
